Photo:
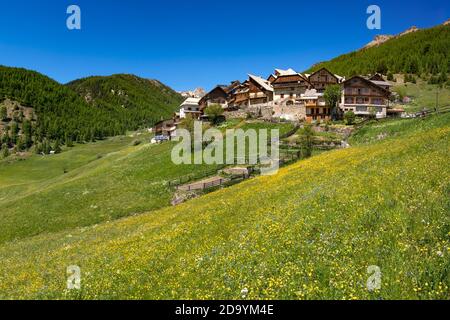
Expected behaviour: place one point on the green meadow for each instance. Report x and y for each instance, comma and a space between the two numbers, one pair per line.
309, 232
91, 183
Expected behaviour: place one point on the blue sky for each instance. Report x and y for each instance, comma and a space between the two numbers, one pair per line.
187, 44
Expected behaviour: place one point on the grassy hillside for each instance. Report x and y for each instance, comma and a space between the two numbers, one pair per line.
86, 185
309, 232
422, 52
423, 95
143, 101
89, 184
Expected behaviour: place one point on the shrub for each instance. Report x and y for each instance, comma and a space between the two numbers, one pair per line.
350, 118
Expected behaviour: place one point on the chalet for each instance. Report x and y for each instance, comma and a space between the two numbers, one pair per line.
219, 95
255, 90
240, 96
166, 128
313, 107
190, 106
289, 85
323, 78
364, 97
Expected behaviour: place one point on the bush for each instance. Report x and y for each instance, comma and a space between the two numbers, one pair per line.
214, 113
350, 118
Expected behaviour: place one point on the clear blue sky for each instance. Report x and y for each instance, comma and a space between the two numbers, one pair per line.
194, 43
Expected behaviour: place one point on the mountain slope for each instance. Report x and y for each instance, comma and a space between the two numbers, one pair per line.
143, 101
86, 109
59, 110
309, 232
420, 52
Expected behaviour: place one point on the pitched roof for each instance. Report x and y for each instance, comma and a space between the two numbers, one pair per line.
191, 101
338, 77
290, 78
382, 83
288, 72
261, 82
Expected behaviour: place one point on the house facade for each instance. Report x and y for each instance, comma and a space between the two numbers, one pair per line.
313, 107
289, 86
253, 91
190, 107
220, 95
323, 78
166, 128
364, 97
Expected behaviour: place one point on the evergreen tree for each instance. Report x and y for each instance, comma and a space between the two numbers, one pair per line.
3, 113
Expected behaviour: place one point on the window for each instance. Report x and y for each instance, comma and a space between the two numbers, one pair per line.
377, 101
361, 109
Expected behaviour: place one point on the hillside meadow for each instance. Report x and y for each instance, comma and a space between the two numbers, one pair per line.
423, 95
309, 232
91, 183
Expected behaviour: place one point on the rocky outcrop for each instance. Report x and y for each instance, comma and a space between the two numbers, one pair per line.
380, 39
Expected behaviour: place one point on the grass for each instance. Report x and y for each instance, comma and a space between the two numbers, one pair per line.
423, 95
104, 181
394, 128
309, 232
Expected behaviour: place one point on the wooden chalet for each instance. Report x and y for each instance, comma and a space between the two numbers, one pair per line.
289, 85
323, 78
255, 90
364, 97
165, 128
220, 95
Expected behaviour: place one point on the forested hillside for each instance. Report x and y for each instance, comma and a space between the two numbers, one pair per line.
425, 53
143, 101
106, 107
